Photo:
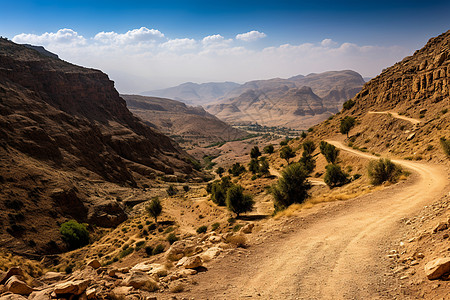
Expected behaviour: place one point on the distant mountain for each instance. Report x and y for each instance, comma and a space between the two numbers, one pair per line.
193, 93
187, 124
297, 102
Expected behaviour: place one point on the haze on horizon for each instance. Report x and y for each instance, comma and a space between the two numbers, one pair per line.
145, 45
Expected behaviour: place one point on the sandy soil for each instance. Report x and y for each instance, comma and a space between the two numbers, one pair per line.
334, 251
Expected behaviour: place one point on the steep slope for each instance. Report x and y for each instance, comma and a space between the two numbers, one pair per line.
62, 129
404, 110
187, 124
194, 93
298, 102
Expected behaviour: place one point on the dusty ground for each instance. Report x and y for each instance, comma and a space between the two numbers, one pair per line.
333, 251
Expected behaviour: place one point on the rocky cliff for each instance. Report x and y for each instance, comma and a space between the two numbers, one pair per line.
63, 127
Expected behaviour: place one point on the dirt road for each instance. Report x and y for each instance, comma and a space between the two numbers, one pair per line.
338, 251
396, 115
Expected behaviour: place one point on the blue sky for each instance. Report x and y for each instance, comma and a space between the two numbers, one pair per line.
366, 36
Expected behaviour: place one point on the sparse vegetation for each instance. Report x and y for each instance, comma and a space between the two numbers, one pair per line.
348, 104
330, 152
172, 238
287, 153
215, 226
237, 201
334, 176
268, 149
154, 209
220, 171
236, 169
74, 234
383, 170
158, 249
347, 124
253, 166
202, 229
171, 190
255, 153
291, 188
219, 190
186, 188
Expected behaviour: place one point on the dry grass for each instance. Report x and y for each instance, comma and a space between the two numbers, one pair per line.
31, 268
238, 240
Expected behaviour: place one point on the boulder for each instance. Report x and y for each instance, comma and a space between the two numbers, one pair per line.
191, 262
17, 286
51, 277
180, 249
137, 279
122, 290
12, 297
94, 264
437, 267
247, 228
107, 213
71, 287
17, 271
41, 295
210, 253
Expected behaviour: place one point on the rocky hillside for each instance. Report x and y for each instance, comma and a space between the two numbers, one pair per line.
404, 110
186, 124
194, 93
63, 131
298, 102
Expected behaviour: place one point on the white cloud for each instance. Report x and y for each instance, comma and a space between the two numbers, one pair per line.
179, 44
251, 36
144, 59
62, 36
140, 35
328, 43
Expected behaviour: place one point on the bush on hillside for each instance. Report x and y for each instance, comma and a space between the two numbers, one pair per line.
287, 153
445, 145
255, 153
334, 176
347, 124
308, 147
171, 190
237, 202
154, 208
348, 104
291, 188
330, 152
74, 234
236, 169
382, 170
268, 149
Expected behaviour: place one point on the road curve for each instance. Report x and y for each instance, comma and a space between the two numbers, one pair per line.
337, 253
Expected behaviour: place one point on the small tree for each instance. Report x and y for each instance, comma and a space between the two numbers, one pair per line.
237, 202
220, 171
308, 162
268, 149
154, 208
291, 188
334, 176
236, 169
264, 166
382, 170
74, 234
348, 104
255, 153
330, 152
347, 124
287, 153
253, 166
219, 190
308, 147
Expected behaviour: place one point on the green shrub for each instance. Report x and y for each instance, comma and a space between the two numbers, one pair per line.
330, 152
186, 188
172, 238
237, 227
382, 170
287, 153
291, 188
348, 104
445, 145
308, 162
236, 169
149, 250
268, 149
253, 166
334, 176
158, 249
126, 252
202, 229
237, 202
347, 124
154, 209
303, 135
263, 166
255, 153
215, 226
139, 245
219, 190
74, 234
308, 147
220, 171
171, 190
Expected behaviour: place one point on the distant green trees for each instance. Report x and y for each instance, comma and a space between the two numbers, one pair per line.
74, 234
292, 187
347, 124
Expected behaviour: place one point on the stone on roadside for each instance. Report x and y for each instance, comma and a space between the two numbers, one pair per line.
94, 264
437, 267
247, 228
17, 286
17, 271
71, 287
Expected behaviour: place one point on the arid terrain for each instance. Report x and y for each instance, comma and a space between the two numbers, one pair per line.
72, 150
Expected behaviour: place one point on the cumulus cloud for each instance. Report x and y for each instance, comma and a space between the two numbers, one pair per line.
251, 36
140, 35
144, 59
63, 36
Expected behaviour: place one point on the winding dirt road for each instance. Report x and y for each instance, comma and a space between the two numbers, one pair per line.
337, 252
